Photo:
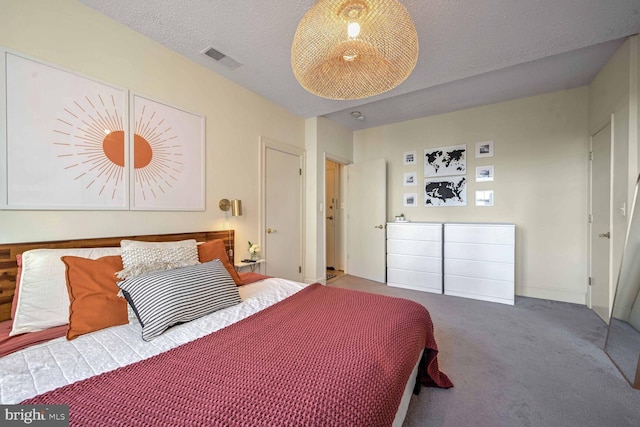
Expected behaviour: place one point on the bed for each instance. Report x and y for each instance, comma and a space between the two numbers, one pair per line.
287, 354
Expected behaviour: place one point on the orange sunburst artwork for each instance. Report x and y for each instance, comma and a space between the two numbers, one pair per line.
91, 143
158, 157
89, 138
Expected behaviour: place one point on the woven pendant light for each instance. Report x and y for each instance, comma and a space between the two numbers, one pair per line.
352, 49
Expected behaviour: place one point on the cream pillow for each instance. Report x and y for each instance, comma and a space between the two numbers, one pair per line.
144, 257
43, 300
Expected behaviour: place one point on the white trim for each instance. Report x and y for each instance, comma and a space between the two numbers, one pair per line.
608, 122
3, 130
336, 159
343, 199
555, 294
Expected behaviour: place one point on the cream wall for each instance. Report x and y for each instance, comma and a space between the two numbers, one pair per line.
609, 94
66, 33
541, 170
613, 96
324, 139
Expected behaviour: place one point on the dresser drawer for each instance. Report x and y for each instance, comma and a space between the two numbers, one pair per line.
481, 289
414, 247
479, 252
415, 232
480, 233
417, 280
415, 263
480, 269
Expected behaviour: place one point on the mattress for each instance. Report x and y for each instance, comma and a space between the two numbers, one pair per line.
47, 366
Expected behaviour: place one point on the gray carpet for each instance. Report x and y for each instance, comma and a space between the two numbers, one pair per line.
538, 363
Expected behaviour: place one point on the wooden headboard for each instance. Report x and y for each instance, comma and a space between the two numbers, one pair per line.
9, 266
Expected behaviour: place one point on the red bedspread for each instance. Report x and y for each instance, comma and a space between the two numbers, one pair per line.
322, 357
12, 344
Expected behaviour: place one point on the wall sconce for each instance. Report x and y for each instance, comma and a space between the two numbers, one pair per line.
235, 206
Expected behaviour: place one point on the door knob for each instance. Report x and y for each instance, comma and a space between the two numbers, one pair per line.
271, 230
330, 217
606, 235
379, 226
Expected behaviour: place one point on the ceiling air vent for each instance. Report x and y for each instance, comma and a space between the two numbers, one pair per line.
221, 58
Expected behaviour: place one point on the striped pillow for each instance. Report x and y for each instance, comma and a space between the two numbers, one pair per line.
162, 299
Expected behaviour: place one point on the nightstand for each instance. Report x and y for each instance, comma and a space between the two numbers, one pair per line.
241, 266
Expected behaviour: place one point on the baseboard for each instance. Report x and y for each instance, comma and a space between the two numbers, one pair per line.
564, 295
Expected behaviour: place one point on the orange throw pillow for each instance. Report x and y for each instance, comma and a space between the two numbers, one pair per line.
215, 249
93, 293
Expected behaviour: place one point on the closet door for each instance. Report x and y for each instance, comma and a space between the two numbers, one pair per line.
282, 209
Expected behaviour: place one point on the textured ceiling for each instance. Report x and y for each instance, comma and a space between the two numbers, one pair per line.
472, 52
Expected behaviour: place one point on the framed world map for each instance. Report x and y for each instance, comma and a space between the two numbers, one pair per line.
445, 161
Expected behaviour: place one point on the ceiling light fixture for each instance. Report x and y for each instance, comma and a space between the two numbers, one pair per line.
353, 49
357, 115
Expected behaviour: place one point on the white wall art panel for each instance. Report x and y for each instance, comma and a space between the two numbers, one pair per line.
65, 141
168, 157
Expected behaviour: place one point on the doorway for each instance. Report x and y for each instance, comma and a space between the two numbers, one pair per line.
332, 193
334, 219
600, 262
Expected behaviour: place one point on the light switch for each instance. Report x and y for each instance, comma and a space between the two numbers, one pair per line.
321, 207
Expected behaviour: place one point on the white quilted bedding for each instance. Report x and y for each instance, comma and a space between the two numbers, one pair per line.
59, 362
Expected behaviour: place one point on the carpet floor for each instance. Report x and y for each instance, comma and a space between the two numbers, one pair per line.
538, 363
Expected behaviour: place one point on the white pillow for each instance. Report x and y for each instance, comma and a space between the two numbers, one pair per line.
43, 300
144, 257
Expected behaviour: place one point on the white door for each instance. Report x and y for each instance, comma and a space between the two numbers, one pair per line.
282, 212
601, 223
367, 215
331, 212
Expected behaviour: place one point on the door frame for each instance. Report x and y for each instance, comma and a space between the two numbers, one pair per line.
268, 143
342, 162
607, 122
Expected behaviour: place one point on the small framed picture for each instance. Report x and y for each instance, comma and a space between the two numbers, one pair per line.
484, 149
484, 173
410, 200
409, 179
484, 198
409, 158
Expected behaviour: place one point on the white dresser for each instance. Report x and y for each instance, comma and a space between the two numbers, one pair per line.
414, 256
479, 261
